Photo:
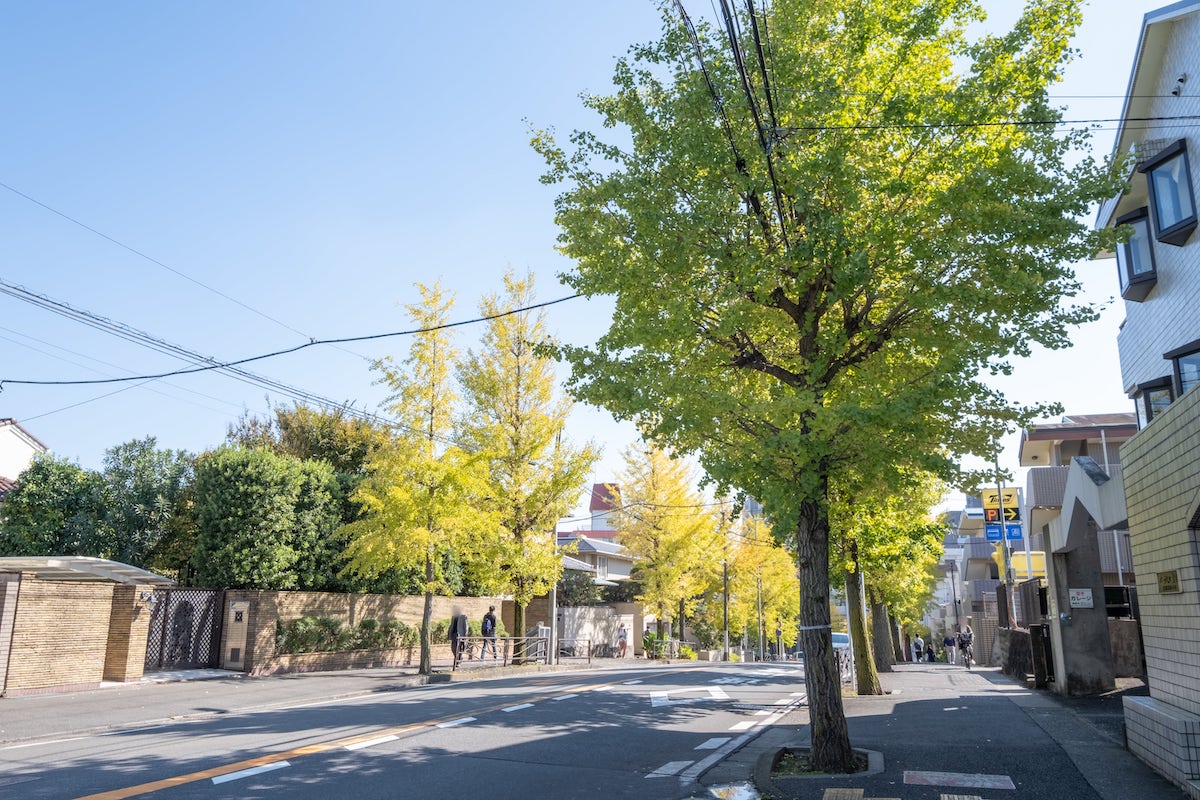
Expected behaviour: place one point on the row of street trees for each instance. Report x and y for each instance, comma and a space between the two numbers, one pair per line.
821, 222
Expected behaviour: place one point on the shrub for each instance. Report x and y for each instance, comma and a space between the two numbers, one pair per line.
326, 635
686, 651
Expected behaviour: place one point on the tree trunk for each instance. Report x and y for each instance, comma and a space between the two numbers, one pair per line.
866, 679
426, 666
881, 632
519, 632
897, 639
680, 620
831, 751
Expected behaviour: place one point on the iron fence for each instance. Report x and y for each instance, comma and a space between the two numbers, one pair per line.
185, 629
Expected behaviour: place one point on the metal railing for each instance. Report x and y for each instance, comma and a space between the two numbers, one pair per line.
477, 651
574, 650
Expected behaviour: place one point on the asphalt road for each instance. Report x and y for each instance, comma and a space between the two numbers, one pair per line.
645, 733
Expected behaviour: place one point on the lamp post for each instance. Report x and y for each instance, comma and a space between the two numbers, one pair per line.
953, 567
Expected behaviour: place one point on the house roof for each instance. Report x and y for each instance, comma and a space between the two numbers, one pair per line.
36, 443
1147, 66
81, 568
6, 486
605, 497
576, 565
603, 546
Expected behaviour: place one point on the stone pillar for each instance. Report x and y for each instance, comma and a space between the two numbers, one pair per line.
128, 628
1082, 653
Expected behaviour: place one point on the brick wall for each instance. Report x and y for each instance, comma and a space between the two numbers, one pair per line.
60, 635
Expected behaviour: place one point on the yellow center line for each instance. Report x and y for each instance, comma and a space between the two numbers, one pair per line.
307, 750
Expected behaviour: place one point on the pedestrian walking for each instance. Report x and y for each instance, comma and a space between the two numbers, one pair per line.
488, 629
930, 653
918, 648
622, 639
457, 635
948, 644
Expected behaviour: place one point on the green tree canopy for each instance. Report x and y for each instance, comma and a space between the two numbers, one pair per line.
53, 511
819, 225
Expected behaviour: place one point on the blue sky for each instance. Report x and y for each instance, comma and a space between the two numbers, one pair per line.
313, 161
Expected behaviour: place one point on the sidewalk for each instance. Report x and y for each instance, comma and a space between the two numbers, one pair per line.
192, 694
944, 732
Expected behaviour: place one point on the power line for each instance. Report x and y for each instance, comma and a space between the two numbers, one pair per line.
152, 259
210, 364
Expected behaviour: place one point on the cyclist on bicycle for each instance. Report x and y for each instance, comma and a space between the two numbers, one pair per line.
965, 638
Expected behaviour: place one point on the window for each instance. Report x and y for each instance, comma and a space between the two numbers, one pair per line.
1186, 361
1135, 257
1170, 181
1152, 399
602, 567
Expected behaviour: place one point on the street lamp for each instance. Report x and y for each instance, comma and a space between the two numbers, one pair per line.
953, 567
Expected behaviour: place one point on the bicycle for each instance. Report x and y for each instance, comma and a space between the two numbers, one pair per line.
967, 654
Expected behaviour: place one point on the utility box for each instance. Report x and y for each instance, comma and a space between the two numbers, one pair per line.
237, 625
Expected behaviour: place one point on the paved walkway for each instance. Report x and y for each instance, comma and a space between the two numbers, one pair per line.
948, 734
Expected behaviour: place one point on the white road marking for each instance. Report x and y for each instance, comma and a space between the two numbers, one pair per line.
782, 701
668, 769
564, 696
744, 725
630, 683
659, 699
693, 773
603, 688
455, 722
511, 709
372, 742
960, 780
762, 712
796, 694
713, 743
246, 773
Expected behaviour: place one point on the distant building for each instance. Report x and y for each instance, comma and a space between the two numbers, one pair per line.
606, 502
17, 449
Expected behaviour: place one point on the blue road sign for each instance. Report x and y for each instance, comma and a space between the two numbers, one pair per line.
994, 533
1013, 530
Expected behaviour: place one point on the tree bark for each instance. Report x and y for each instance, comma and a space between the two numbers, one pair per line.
881, 632
426, 666
831, 751
519, 632
866, 679
898, 649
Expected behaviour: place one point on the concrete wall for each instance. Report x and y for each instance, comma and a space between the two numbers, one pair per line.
1126, 640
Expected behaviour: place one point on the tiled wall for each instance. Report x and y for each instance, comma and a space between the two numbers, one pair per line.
60, 635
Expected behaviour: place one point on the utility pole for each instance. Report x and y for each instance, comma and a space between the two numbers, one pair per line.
1008, 571
725, 588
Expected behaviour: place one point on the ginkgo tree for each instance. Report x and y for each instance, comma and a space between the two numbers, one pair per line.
820, 222
673, 534
424, 494
513, 418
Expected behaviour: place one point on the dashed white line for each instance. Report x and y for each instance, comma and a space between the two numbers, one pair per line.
744, 725
511, 709
668, 769
603, 688
564, 696
712, 744
246, 773
630, 683
456, 722
372, 742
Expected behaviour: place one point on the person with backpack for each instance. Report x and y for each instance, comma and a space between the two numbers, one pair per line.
487, 629
918, 648
965, 639
457, 634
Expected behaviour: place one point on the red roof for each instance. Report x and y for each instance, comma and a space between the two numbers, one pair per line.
6, 486
605, 497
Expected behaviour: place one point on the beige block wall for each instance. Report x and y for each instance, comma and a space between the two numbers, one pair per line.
60, 635
268, 607
1162, 492
128, 627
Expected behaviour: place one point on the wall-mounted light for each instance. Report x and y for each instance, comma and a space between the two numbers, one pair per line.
149, 598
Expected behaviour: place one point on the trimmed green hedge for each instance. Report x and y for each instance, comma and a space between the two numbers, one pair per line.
325, 635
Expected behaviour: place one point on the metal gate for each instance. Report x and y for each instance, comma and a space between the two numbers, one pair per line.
185, 629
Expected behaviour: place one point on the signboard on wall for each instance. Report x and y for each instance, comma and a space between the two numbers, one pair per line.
1080, 598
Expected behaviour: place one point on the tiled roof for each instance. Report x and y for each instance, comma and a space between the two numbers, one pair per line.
605, 497
587, 545
6, 486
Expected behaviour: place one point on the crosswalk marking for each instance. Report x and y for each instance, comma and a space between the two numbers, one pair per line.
565, 696
744, 725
